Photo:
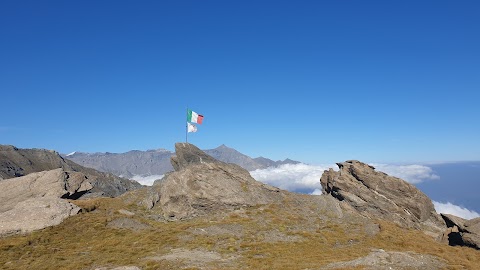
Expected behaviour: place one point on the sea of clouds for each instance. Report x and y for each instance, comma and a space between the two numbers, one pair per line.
146, 180
449, 208
304, 178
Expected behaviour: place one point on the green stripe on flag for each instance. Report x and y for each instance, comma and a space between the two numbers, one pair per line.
189, 116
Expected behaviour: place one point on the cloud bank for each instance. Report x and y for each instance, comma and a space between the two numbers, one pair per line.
300, 177
449, 208
146, 180
413, 174
305, 178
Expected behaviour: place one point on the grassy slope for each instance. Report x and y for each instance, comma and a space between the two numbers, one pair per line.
85, 242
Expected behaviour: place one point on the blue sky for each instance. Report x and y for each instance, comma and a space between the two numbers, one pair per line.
316, 81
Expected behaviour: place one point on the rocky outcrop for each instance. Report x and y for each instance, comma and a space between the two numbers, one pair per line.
380, 260
35, 214
462, 232
202, 185
378, 195
37, 200
55, 183
15, 162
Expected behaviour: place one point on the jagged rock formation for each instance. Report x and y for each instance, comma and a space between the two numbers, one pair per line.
201, 184
461, 231
15, 162
35, 201
377, 195
157, 162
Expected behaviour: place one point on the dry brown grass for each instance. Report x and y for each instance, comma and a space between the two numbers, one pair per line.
85, 242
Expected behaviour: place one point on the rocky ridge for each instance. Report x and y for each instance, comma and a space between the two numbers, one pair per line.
15, 162
378, 195
224, 219
157, 162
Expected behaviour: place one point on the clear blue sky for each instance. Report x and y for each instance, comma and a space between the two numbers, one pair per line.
316, 81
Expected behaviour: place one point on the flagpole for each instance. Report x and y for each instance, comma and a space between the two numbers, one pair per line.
186, 128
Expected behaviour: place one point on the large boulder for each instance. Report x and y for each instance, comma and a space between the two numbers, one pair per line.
201, 184
378, 195
461, 231
37, 200
55, 183
16, 162
35, 214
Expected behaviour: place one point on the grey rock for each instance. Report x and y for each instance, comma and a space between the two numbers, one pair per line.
461, 232
383, 260
473, 225
35, 201
146, 197
55, 183
202, 185
452, 221
34, 214
186, 154
371, 229
126, 212
128, 223
15, 162
377, 195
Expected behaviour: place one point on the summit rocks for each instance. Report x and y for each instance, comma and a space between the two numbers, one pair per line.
201, 184
378, 195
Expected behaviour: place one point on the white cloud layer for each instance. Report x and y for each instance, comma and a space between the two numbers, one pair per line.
293, 177
306, 178
146, 180
413, 174
449, 208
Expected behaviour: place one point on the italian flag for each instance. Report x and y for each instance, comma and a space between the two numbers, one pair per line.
194, 117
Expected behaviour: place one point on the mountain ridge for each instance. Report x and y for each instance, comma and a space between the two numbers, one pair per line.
157, 161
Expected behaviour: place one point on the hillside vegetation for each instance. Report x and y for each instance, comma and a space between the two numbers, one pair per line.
278, 236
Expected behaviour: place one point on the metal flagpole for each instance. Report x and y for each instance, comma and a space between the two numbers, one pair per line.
186, 128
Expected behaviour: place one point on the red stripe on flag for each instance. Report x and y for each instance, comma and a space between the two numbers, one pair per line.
199, 119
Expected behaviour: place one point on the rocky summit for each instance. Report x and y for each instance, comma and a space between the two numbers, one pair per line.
202, 184
377, 195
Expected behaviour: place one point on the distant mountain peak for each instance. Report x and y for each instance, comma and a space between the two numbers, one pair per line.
223, 146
